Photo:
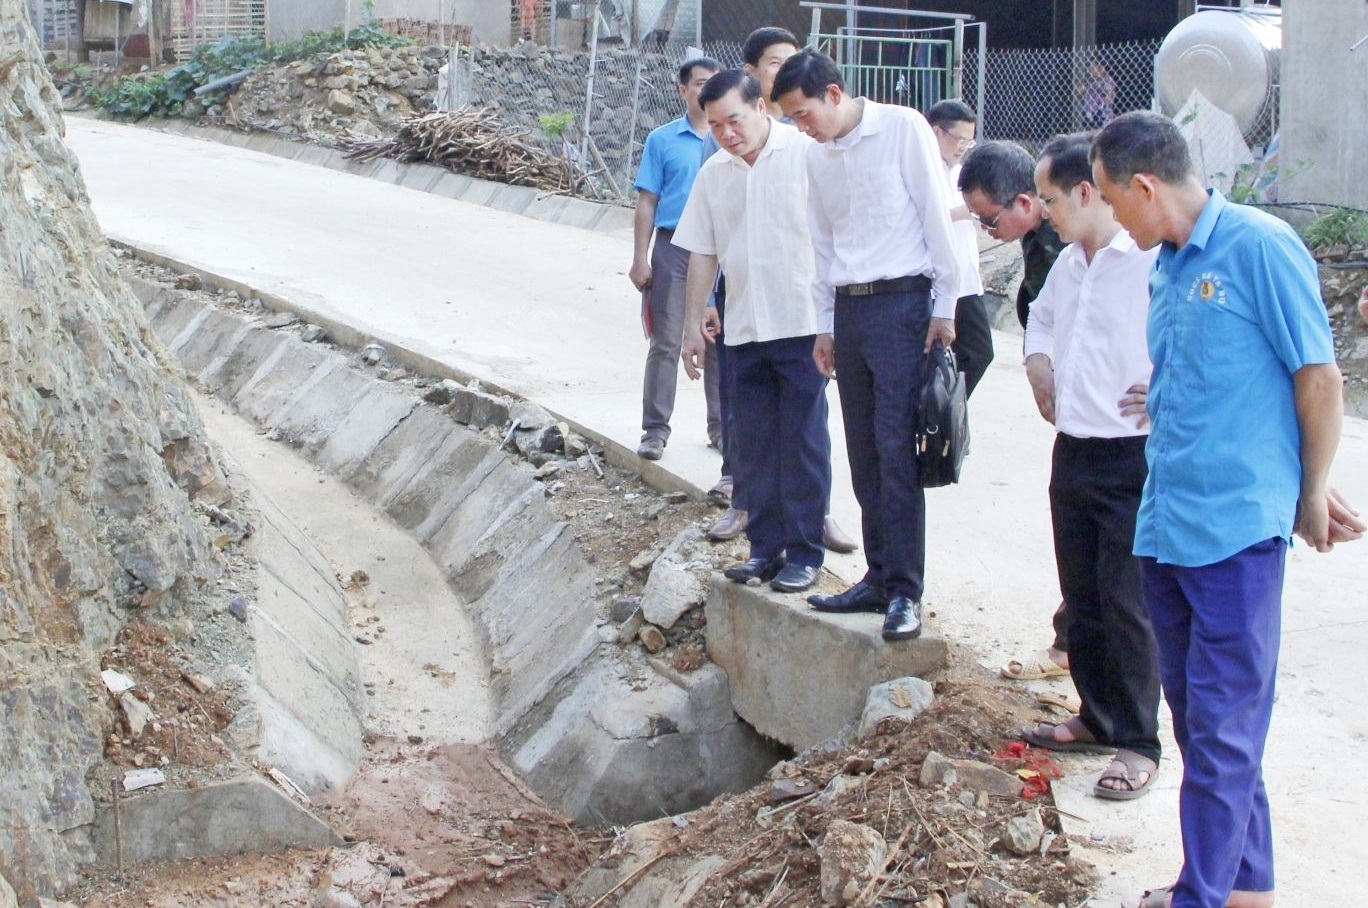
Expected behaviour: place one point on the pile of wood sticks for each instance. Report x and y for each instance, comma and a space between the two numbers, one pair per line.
471, 141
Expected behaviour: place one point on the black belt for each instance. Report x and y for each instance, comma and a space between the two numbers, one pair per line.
890, 285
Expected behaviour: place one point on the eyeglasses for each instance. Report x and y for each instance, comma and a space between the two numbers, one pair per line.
1048, 200
962, 142
990, 223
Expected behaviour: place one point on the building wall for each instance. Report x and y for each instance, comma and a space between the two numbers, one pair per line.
1324, 95
288, 19
489, 19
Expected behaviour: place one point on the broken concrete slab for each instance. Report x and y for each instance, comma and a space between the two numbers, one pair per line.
234, 817
800, 676
647, 749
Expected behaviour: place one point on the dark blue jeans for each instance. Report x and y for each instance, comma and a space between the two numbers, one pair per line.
880, 358
783, 449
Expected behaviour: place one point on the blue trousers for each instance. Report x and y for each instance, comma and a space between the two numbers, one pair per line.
783, 449
726, 382
880, 358
1218, 629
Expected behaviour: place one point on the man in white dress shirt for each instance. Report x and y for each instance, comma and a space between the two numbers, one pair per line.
1089, 369
747, 212
879, 212
954, 124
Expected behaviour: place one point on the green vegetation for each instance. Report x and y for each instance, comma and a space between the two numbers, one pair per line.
1341, 227
554, 124
170, 94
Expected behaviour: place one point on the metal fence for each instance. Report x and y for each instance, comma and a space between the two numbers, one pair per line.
623, 92
1032, 94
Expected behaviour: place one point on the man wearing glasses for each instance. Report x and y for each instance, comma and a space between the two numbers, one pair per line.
998, 182
953, 123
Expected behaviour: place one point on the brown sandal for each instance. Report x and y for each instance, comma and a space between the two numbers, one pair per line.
1131, 768
1043, 735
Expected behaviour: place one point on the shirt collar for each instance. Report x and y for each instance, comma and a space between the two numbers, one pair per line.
871, 121
781, 135
684, 127
1206, 221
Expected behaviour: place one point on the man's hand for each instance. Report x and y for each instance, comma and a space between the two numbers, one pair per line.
1040, 373
692, 352
712, 325
824, 355
640, 275
1345, 523
942, 329
1324, 523
1133, 404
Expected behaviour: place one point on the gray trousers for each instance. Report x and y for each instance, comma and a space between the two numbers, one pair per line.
664, 306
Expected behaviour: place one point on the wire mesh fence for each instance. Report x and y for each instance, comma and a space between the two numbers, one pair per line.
624, 92
1031, 94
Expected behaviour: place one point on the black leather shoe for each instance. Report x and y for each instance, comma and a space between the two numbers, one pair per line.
795, 578
903, 621
862, 597
755, 571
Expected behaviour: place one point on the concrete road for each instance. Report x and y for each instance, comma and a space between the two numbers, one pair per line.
547, 311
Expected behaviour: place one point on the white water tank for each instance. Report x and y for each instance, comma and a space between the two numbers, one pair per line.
1231, 57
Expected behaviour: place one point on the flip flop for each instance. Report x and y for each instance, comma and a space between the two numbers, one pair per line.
1156, 898
1127, 766
1037, 667
1043, 736
1054, 699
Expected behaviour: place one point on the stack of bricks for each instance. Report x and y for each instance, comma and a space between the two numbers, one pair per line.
427, 32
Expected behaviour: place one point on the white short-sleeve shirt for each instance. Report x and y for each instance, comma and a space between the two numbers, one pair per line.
754, 219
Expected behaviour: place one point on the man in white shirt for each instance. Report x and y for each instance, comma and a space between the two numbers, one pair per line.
1089, 369
747, 212
880, 219
954, 125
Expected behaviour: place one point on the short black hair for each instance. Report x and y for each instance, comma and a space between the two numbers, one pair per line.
808, 71
1069, 160
686, 71
1000, 170
725, 81
1143, 142
949, 112
762, 39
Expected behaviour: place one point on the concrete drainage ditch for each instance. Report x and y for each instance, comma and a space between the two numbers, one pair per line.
596, 747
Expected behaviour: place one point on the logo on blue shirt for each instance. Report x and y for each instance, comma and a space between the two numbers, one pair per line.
1206, 288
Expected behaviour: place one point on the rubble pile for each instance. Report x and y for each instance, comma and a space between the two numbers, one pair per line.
364, 93
924, 809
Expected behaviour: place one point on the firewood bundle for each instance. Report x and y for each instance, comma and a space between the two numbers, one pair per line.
472, 141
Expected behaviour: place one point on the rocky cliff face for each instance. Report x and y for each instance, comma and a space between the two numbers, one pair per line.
102, 455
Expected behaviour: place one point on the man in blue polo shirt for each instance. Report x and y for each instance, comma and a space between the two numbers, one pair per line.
669, 163
1246, 407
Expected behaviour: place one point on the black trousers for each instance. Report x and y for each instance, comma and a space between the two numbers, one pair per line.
1095, 488
880, 358
973, 340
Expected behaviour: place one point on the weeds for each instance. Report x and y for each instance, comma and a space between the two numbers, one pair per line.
172, 93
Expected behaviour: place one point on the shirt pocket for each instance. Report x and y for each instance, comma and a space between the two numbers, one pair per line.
1228, 335
877, 194
783, 205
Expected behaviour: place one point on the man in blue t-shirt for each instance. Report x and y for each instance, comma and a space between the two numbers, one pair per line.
1246, 407
669, 162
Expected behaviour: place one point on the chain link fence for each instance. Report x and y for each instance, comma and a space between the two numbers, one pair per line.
1032, 94
624, 92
